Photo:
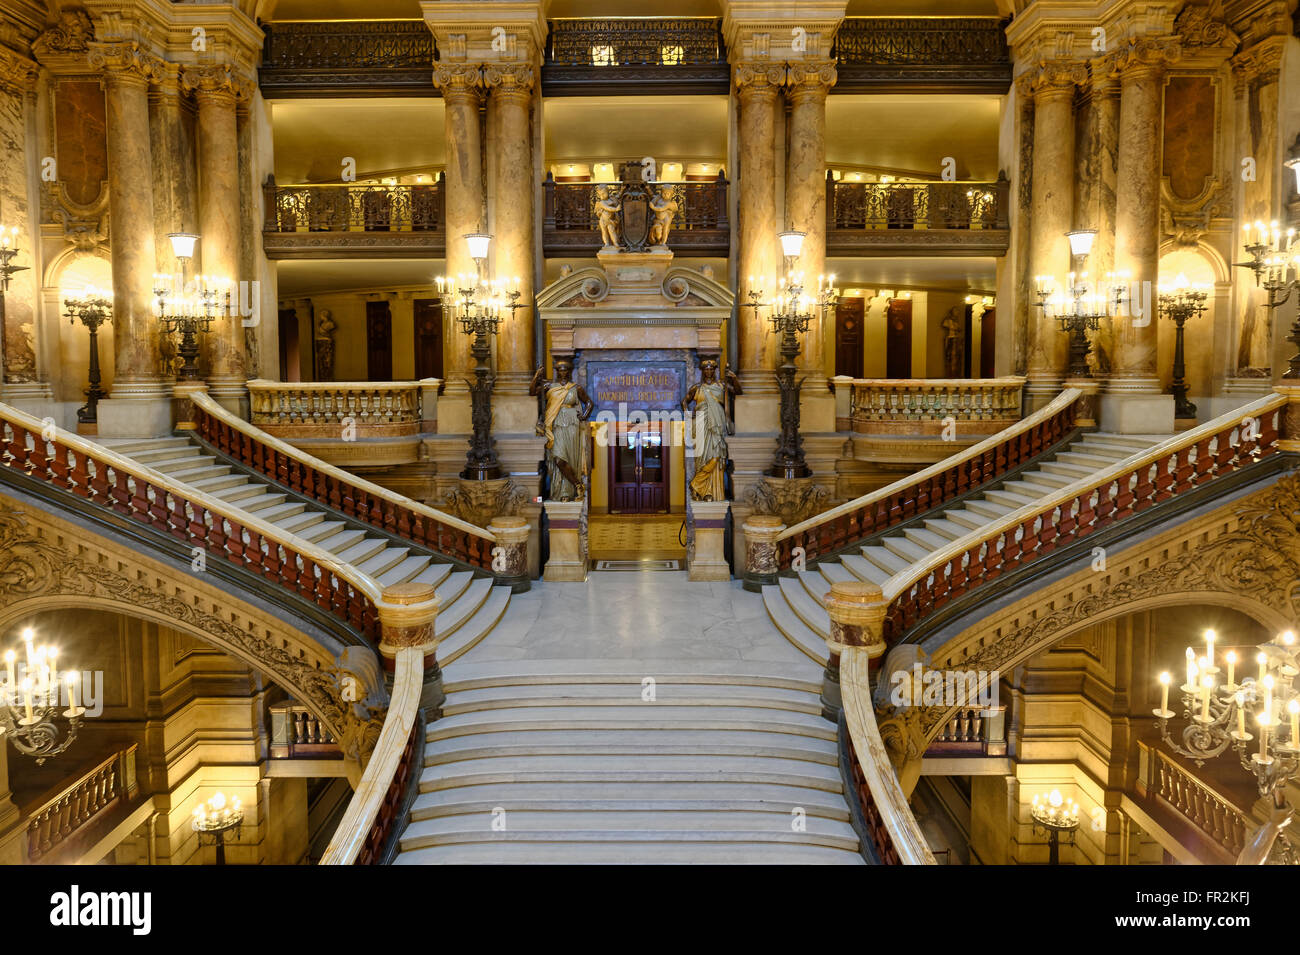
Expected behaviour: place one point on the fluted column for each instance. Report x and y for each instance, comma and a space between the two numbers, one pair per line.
510, 100
463, 182
757, 88
1052, 85
805, 196
1141, 68
128, 69
215, 90
18, 306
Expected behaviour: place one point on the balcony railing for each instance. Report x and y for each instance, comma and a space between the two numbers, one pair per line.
1211, 813
951, 54
886, 218
322, 409
922, 406
700, 227
297, 734
631, 55
354, 220
353, 57
61, 818
972, 731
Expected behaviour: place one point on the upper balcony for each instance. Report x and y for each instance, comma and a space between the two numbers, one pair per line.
922, 54
347, 57
917, 218
613, 56
354, 220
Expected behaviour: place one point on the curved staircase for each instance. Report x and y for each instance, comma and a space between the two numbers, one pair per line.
796, 603
471, 605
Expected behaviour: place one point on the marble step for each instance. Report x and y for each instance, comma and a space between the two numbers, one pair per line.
217, 482
972, 520
633, 797
1094, 462
638, 742
342, 540
468, 634
405, 571
864, 569
832, 572
628, 853
640, 717
1073, 472
992, 509
1047, 479
886, 559
434, 574
383, 560
631, 769
925, 539
809, 610
135, 447
947, 528
816, 583
368, 547
904, 548
596, 695
283, 515
692, 826
193, 469
1121, 442
807, 640
1103, 449
476, 676
1014, 501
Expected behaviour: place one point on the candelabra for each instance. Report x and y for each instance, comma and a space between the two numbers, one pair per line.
1180, 302
792, 311
30, 701
1082, 307
189, 308
215, 818
1218, 714
1057, 815
8, 251
92, 308
478, 305
1277, 269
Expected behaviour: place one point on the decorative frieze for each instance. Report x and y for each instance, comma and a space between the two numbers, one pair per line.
1141, 55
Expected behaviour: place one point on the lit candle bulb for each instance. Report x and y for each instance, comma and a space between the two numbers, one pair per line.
1264, 722
1241, 715
72, 689
27, 694
1293, 708
1267, 683
1164, 692
1191, 670
1210, 637
1207, 684
1232, 663
1262, 660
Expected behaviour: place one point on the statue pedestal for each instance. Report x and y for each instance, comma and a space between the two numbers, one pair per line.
708, 557
567, 534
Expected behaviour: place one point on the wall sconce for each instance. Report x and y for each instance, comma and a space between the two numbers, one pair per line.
672, 172
603, 172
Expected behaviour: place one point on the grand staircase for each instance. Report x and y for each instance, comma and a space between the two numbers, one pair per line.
796, 603
471, 605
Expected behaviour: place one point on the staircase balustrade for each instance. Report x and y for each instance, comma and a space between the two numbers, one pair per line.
891, 407
316, 409
64, 815
1211, 812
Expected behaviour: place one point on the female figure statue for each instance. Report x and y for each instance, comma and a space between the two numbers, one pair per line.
567, 406
711, 429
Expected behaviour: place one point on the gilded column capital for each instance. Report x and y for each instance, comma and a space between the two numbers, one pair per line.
1142, 55
167, 89
458, 79
216, 80
815, 77
17, 73
509, 79
758, 77
1049, 78
126, 61
1259, 62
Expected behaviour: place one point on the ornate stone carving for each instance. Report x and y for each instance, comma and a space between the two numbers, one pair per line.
1198, 27
1187, 222
791, 499
17, 73
458, 78
758, 77
127, 59
72, 34
810, 77
324, 346
509, 79
1259, 63
479, 501
1143, 53
217, 79
1052, 77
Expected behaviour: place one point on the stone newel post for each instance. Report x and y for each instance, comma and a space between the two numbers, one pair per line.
857, 611
708, 559
407, 615
567, 534
761, 533
510, 556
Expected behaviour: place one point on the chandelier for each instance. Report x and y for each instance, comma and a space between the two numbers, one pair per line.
1059, 816
189, 308
215, 818
30, 699
1277, 269
1221, 712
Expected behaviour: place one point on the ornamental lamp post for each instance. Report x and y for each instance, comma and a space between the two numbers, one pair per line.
1277, 269
792, 310
1179, 302
93, 307
478, 304
1082, 306
189, 308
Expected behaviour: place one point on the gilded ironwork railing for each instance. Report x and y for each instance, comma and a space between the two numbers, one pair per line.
700, 226
354, 208
966, 216
376, 56
635, 41
921, 41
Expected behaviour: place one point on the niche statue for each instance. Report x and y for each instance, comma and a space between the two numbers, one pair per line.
711, 429
567, 406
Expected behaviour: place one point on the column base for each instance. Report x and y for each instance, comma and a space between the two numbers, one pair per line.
1040, 392
137, 410
708, 557
231, 394
567, 540
1137, 413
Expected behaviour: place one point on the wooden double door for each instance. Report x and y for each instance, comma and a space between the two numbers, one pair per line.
428, 339
638, 472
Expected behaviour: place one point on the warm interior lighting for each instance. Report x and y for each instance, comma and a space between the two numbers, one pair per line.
603, 172
671, 55
791, 243
1081, 241
183, 244
478, 243
672, 172
602, 56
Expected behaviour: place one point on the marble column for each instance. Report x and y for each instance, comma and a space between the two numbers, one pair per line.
18, 305
174, 178
1133, 400
510, 100
757, 88
215, 91
805, 207
139, 403
1098, 171
1052, 85
463, 182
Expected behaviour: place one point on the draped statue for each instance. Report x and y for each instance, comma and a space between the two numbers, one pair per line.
710, 432
567, 406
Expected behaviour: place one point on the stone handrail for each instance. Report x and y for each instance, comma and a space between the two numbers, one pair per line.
60, 817
138, 492
1210, 811
887, 405
354, 496
1090, 504
896, 838
770, 546
323, 408
371, 813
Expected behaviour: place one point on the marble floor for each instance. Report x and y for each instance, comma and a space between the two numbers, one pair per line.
621, 616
